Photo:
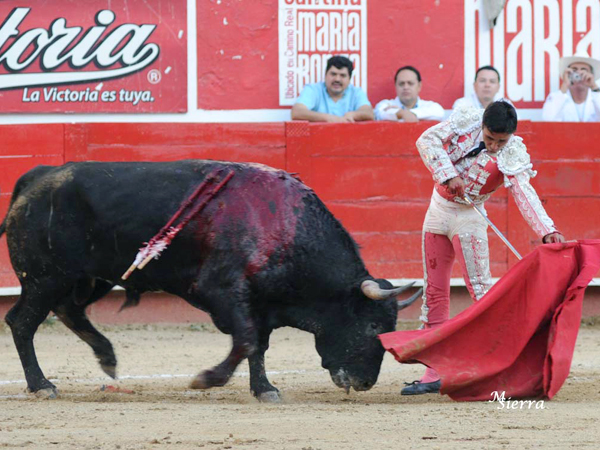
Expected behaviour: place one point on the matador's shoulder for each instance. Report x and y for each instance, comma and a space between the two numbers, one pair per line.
465, 119
513, 158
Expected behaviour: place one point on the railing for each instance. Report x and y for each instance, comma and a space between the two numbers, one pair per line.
369, 174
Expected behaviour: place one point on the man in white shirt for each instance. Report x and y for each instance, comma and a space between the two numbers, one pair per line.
407, 106
485, 89
578, 99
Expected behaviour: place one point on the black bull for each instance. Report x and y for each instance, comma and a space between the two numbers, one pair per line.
264, 253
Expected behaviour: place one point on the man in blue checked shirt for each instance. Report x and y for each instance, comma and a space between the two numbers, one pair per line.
335, 99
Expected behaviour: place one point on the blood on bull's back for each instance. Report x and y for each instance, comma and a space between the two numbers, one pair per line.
122, 205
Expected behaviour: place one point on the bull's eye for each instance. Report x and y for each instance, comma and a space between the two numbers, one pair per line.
373, 329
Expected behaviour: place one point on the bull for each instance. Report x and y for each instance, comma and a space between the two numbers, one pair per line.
264, 253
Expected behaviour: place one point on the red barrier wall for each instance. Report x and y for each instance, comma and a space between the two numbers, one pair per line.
369, 174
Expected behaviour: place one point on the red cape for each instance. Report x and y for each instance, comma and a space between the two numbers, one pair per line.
519, 338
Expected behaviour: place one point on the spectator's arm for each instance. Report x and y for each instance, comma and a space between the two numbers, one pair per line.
307, 103
386, 111
365, 112
430, 111
301, 112
362, 109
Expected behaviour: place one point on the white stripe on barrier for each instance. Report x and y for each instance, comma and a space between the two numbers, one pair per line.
454, 282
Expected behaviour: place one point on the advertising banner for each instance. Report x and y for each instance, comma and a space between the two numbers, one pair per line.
527, 43
113, 56
310, 32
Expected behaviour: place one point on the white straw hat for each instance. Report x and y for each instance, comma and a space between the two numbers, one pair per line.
580, 57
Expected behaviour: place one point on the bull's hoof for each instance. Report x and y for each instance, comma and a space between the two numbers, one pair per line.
209, 379
47, 393
110, 370
200, 382
270, 397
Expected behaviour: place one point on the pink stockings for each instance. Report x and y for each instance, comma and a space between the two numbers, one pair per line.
438, 257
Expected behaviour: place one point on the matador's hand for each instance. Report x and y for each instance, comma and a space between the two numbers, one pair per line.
456, 186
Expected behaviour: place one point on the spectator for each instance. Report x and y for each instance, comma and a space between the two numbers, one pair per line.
407, 106
485, 89
578, 99
335, 99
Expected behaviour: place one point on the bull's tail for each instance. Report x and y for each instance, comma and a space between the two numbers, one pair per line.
3, 227
3, 224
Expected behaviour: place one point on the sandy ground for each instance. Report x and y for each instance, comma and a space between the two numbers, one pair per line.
157, 363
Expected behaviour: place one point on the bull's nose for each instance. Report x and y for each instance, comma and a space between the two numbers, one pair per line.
340, 378
363, 386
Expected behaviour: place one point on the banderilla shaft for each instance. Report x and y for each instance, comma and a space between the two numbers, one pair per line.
496, 230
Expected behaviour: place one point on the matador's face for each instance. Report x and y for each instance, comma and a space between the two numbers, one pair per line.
494, 142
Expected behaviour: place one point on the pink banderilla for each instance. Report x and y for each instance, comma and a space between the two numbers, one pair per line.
155, 246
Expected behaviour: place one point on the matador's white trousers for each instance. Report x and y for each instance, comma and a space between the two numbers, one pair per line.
452, 230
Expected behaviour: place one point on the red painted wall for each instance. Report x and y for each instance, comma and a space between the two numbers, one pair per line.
369, 174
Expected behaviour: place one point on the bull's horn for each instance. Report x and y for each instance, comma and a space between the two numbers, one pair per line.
409, 301
372, 290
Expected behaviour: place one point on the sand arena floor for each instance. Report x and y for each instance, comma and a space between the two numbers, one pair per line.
157, 363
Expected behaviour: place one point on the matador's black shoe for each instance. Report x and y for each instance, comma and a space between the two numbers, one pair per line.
417, 388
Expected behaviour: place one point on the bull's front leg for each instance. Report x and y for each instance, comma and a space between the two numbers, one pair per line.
241, 327
260, 386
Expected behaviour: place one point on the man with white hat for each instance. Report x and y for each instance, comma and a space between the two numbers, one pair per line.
578, 99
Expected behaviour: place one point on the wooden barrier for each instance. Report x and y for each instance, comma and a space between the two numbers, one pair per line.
369, 174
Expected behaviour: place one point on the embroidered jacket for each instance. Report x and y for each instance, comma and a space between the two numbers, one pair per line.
444, 149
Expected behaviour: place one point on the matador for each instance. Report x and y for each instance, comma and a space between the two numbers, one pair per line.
473, 152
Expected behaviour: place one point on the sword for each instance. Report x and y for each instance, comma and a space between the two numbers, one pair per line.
496, 230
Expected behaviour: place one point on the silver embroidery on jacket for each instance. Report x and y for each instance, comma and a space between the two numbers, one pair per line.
439, 147
465, 119
530, 205
514, 159
445, 158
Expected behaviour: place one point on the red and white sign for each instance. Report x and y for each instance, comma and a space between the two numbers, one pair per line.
113, 57
527, 42
310, 32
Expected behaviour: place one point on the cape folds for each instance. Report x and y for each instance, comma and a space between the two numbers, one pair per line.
519, 338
